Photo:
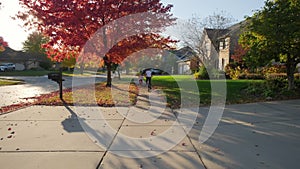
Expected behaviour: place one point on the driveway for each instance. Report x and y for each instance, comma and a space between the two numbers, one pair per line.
35, 86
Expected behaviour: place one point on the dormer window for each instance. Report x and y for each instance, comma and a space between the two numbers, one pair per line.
221, 45
227, 41
224, 43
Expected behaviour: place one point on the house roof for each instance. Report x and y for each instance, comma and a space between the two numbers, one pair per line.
215, 34
184, 54
233, 32
10, 55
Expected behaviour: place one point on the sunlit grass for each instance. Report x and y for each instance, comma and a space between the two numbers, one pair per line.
233, 89
5, 82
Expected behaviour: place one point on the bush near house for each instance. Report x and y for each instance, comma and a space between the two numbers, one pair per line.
203, 73
234, 71
273, 89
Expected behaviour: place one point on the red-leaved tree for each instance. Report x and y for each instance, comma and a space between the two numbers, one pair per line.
99, 31
3, 44
239, 53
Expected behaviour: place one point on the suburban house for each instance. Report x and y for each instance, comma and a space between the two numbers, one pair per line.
188, 61
217, 45
216, 48
19, 58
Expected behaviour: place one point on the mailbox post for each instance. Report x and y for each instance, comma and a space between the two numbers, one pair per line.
57, 77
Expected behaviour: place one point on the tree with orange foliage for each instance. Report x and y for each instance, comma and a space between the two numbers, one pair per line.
104, 31
3, 44
239, 53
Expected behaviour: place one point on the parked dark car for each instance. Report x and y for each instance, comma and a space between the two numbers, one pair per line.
155, 71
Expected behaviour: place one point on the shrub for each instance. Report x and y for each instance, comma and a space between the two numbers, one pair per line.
202, 73
254, 89
252, 76
274, 71
197, 75
269, 88
234, 72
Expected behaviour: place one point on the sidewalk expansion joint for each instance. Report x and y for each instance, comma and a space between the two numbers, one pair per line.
107, 150
194, 147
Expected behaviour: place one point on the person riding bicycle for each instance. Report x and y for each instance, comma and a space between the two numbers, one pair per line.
148, 78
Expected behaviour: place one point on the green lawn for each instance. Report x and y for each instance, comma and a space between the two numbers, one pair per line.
25, 73
228, 91
4, 82
233, 89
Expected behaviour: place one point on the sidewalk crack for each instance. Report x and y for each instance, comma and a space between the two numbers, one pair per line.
109, 146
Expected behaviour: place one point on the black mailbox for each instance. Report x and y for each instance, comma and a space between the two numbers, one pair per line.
57, 77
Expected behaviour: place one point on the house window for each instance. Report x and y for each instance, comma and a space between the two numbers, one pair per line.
221, 45
226, 43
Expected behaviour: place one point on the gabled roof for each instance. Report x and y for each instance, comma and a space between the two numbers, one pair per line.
184, 53
233, 32
215, 34
10, 55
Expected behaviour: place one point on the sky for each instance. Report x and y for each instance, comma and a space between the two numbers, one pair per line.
238, 9
14, 34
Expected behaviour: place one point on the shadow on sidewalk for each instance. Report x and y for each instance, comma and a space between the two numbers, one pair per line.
77, 124
71, 124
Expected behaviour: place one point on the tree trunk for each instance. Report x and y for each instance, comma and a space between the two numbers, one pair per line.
290, 67
108, 79
119, 74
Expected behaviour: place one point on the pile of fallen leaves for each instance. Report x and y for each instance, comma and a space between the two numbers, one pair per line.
10, 108
92, 95
89, 95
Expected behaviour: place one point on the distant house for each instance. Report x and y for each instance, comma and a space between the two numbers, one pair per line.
188, 61
217, 45
19, 58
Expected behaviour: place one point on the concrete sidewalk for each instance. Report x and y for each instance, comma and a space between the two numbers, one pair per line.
258, 135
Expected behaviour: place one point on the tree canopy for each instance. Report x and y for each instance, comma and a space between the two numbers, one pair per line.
274, 34
113, 28
33, 44
3, 44
33, 47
